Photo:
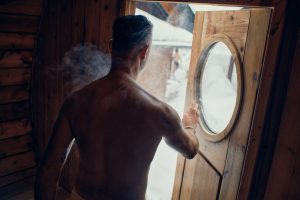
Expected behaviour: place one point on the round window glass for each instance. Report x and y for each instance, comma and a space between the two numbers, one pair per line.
218, 89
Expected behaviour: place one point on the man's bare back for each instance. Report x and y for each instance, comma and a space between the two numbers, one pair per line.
117, 127
117, 144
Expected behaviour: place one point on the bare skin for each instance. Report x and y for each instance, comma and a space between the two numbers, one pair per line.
117, 127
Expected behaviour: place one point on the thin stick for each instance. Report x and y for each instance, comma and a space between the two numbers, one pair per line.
210, 164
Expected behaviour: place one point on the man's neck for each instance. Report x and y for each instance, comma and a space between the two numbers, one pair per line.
126, 66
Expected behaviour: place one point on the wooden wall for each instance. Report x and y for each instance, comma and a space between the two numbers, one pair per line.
65, 23
274, 136
25, 109
284, 169
19, 22
284, 178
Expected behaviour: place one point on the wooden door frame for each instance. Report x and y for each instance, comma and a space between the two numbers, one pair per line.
267, 76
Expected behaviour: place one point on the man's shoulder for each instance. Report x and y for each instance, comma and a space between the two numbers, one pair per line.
71, 102
149, 100
160, 109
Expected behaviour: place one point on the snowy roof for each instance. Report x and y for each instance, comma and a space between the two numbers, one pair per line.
164, 34
203, 7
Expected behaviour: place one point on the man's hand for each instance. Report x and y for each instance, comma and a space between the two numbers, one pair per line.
192, 116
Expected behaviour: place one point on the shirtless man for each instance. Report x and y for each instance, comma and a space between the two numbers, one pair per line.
117, 126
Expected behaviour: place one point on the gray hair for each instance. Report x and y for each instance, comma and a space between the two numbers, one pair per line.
131, 32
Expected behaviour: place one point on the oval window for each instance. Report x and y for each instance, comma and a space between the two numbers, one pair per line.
218, 87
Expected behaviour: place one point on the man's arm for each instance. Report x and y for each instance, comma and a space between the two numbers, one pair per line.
176, 136
55, 155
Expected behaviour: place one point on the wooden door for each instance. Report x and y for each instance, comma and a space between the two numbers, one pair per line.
215, 172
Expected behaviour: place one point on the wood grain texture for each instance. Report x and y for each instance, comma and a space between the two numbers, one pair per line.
10, 94
248, 30
188, 179
12, 59
9, 179
222, 22
255, 47
127, 7
15, 145
15, 76
40, 65
16, 163
235, 26
264, 90
233, 23
65, 24
286, 159
204, 186
180, 165
92, 21
19, 190
109, 10
196, 44
14, 128
16, 41
14, 111
18, 23
78, 21
207, 24
27, 7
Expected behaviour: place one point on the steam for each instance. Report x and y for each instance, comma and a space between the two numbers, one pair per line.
84, 64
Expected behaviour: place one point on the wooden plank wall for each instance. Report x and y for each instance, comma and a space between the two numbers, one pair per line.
19, 22
284, 178
65, 24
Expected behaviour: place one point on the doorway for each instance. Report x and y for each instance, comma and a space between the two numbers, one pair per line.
215, 121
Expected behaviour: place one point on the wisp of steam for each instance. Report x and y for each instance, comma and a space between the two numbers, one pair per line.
83, 64
80, 66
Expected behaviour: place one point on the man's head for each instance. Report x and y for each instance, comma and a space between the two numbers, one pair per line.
131, 32
132, 35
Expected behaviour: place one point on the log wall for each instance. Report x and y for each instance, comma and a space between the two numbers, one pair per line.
19, 22
65, 23
31, 92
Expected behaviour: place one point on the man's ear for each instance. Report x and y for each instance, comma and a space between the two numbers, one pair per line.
144, 51
110, 45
